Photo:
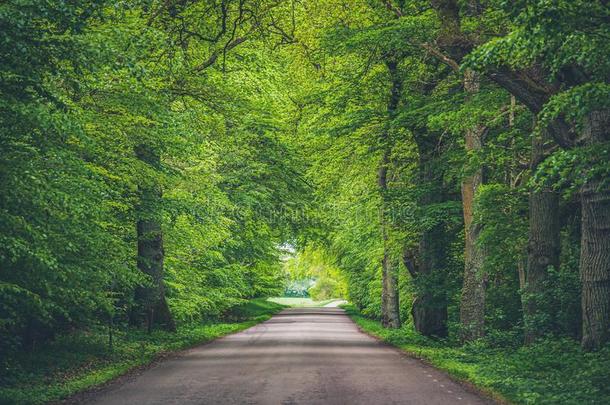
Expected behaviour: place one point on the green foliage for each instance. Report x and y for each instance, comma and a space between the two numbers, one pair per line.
60, 208
271, 125
313, 271
83, 86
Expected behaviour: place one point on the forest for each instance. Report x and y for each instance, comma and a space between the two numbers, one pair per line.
444, 165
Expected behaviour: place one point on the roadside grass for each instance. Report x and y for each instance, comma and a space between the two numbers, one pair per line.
78, 361
297, 302
551, 371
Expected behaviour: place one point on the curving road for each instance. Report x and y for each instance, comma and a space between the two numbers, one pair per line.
300, 356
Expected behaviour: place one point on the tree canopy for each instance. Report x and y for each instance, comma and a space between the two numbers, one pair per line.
443, 164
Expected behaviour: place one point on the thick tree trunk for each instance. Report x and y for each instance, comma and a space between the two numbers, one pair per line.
595, 243
542, 250
429, 318
390, 315
428, 268
472, 305
151, 298
429, 309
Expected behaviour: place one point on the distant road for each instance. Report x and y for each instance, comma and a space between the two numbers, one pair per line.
335, 304
300, 356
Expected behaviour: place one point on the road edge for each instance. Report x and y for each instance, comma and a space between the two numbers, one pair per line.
486, 393
92, 391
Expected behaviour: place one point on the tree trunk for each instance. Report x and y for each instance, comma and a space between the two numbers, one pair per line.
595, 243
151, 297
390, 315
428, 269
521, 266
429, 309
472, 305
542, 250
456, 45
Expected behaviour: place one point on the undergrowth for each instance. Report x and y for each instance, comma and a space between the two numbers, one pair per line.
551, 371
84, 359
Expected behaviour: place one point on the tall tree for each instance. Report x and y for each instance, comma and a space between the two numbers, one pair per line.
151, 296
428, 263
456, 44
390, 264
564, 81
472, 305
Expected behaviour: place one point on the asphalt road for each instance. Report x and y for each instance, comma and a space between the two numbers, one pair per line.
300, 356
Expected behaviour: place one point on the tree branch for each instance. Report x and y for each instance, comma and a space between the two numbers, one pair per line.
425, 46
214, 56
441, 56
408, 258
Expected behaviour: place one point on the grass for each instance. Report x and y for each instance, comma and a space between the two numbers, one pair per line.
78, 361
299, 302
551, 371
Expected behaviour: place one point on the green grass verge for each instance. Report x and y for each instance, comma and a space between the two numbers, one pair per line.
297, 302
552, 371
82, 360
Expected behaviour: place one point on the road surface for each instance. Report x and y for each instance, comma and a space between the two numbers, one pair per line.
335, 304
300, 356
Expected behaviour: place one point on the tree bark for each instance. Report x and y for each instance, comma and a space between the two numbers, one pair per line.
429, 309
151, 297
543, 249
428, 266
472, 305
595, 243
390, 315
456, 44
